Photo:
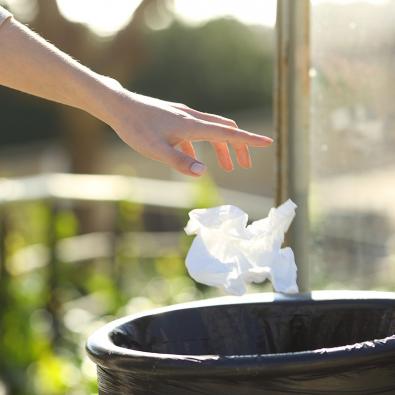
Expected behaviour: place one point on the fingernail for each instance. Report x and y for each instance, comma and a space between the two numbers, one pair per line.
198, 168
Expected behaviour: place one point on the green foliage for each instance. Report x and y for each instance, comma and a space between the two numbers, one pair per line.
39, 122
221, 66
49, 309
206, 193
66, 224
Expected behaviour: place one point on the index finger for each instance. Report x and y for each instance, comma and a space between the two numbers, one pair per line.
214, 132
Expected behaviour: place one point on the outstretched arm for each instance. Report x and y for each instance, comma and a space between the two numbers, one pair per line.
152, 127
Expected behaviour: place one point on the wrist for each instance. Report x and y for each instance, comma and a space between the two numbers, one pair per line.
104, 95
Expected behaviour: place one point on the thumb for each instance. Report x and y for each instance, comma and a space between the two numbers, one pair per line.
184, 163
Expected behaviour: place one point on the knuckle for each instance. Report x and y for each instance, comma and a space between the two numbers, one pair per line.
231, 123
194, 124
225, 121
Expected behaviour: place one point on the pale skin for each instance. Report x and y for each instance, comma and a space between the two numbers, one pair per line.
160, 130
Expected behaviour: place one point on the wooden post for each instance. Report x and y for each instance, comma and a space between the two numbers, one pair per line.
292, 93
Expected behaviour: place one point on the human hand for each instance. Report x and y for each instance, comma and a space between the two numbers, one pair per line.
165, 131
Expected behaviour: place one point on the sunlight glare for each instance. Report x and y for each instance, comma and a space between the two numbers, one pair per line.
104, 17
255, 12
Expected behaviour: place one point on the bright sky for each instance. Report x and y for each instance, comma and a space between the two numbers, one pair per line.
106, 17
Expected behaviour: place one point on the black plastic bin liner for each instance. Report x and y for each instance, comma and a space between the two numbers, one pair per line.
322, 343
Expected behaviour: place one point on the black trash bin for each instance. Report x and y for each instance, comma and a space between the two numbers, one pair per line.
326, 342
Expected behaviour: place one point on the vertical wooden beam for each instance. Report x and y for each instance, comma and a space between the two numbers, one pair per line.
292, 113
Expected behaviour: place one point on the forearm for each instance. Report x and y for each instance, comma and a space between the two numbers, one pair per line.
30, 64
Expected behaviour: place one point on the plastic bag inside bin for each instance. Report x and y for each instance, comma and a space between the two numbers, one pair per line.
291, 346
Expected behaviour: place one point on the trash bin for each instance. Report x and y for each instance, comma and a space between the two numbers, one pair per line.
326, 342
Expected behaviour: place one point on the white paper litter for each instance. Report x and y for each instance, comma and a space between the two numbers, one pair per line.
228, 254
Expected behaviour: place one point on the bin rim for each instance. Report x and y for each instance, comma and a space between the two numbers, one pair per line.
107, 355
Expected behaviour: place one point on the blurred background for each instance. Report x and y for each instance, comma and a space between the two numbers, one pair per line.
89, 230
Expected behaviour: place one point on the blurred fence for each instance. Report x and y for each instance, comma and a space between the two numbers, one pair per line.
108, 188
58, 190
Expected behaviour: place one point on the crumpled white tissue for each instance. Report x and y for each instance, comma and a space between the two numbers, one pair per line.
228, 254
